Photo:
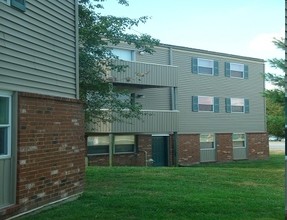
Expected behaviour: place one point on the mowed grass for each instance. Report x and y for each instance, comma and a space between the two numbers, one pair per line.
238, 190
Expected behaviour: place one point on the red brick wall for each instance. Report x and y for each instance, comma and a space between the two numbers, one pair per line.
188, 149
144, 150
258, 146
51, 150
224, 147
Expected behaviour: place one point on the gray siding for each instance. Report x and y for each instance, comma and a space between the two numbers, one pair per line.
151, 122
219, 86
38, 48
5, 186
239, 153
146, 74
154, 98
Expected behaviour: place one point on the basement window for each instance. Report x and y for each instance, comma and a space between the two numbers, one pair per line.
124, 143
207, 141
98, 145
238, 140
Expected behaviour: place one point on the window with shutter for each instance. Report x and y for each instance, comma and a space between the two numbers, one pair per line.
204, 66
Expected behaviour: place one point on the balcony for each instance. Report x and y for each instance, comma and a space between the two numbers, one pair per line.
164, 121
153, 75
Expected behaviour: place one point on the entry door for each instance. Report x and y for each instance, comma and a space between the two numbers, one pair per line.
159, 150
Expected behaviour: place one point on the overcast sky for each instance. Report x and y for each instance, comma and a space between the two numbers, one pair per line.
241, 27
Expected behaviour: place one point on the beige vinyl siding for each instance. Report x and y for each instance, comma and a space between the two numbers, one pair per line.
150, 122
38, 48
219, 86
155, 98
161, 56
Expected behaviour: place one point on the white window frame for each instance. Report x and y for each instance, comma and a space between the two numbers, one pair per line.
8, 126
237, 67
244, 139
204, 97
201, 62
233, 103
211, 140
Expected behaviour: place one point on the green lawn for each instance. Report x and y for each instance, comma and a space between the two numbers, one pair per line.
238, 190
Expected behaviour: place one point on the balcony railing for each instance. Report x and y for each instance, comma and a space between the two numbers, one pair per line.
150, 122
146, 74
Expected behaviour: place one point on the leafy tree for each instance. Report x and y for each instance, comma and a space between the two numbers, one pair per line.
97, 34
275, 98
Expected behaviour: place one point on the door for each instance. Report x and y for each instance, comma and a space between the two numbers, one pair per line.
159, 150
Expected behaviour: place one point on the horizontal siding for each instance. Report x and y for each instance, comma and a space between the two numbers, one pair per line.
219, 86
151, 122
146, 74
155, 99
38, 51
161, 56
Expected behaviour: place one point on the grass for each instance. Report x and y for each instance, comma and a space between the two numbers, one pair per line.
237, 190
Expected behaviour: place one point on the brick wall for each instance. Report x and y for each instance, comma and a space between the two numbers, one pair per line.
224, 147
138, 158
258, 146
51, 150
188, 149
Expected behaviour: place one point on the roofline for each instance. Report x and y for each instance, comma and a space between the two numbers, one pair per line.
210, 52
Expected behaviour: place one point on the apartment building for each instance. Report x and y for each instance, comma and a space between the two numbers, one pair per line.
202, 106
42, 145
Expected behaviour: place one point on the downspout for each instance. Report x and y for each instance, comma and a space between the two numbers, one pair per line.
111, 147
145, 153
175, 144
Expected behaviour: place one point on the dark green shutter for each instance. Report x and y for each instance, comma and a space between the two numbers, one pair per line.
246, 105
245, 72
228, 105
19, 4
216, 71
216, 104
194, 68
227, 69
194, 103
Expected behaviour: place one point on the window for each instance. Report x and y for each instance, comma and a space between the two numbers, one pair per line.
207, 141
236, 70
5, 1
204, 66
18, 4
237, 105
238, 140
123, 54
205, 104
5, 124
98, 144
124, 143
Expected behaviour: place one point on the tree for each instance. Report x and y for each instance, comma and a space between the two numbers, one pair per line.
97, 34
275, 98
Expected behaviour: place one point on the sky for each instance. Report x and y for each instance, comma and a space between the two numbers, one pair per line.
240, 27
